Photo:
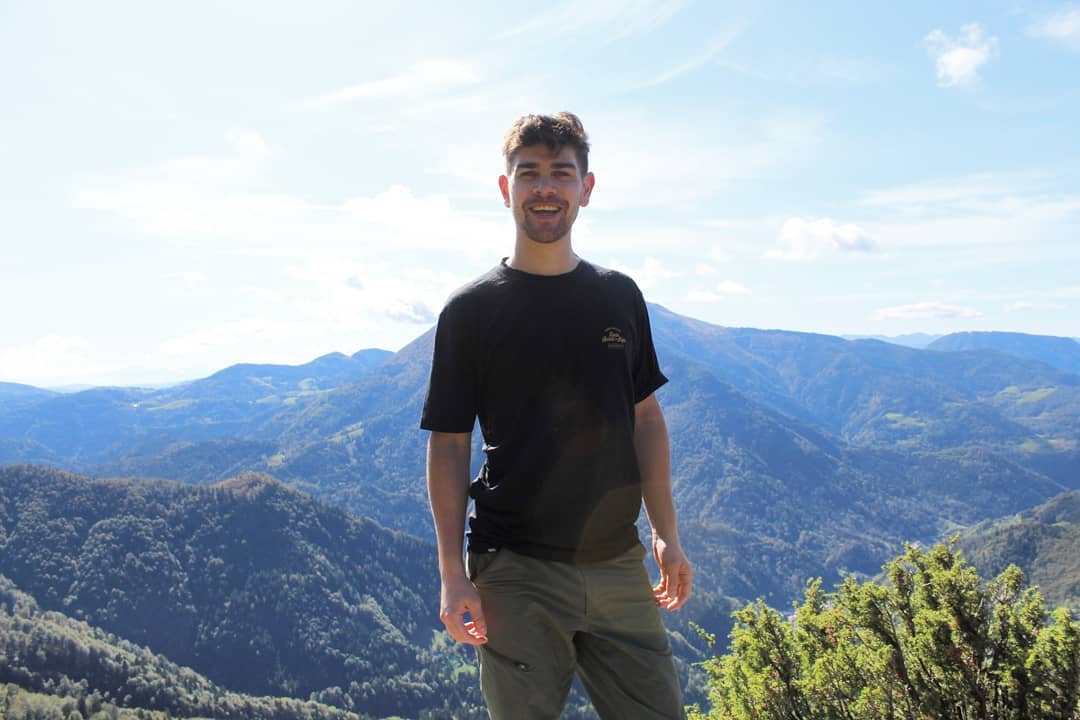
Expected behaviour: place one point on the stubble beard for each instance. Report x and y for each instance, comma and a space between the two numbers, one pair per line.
546, 235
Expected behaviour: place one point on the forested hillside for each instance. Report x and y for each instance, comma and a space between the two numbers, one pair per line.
63, 668
1044, 540
248, 582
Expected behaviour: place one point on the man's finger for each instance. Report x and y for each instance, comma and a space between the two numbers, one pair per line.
682, 590
476, 635
477, 626
455, 625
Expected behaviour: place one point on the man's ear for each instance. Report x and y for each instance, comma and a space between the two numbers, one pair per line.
586, 188
504, 187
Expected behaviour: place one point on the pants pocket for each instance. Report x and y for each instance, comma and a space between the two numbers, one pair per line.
476, 563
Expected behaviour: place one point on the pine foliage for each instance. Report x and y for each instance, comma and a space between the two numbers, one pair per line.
934, 642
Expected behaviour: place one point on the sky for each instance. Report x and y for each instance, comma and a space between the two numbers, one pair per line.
186, 186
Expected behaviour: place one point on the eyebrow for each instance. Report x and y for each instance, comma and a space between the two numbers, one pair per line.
556, 166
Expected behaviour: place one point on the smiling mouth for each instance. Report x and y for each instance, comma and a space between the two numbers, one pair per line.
545, 209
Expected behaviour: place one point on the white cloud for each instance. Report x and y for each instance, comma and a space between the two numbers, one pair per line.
649, 275
203, 201
1063, 26
805, 239
190, 280
958, 60
199, 196
341, 290
925, 310
432, 76
720, 291
730, 287
248, 143
50, 358
704, 269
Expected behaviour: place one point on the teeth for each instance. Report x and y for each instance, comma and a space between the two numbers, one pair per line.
546, 208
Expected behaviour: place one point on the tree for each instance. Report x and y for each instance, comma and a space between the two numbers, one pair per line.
933, 643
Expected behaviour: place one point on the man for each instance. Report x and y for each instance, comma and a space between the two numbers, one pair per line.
555, 357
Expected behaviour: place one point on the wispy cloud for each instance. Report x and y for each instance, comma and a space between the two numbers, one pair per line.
198, 195
431, 76
983, 209
336, 300
608, 20
958, 60
720, 291
649, 275
1028, 305
1063, 27
706, 161
204, 201
968, 192
696, 61
927, 310
805, 239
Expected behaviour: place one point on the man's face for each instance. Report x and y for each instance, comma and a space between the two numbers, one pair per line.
544, 191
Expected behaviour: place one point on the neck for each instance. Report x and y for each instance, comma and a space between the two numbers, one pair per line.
536, 258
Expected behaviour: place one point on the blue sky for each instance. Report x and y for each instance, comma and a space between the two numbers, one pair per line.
190, 185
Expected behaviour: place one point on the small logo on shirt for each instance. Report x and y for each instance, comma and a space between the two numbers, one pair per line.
613, 339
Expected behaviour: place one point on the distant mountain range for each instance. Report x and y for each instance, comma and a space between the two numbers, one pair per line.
827, 453
1059, 352
795, 455
914, 340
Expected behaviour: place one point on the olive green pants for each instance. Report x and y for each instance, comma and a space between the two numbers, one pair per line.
547, 619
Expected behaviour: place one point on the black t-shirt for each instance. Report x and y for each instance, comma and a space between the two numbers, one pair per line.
552, 365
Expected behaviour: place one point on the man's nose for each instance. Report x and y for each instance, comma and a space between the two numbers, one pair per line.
544, 186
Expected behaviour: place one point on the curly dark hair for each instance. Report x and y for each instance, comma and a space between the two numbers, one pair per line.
555, 131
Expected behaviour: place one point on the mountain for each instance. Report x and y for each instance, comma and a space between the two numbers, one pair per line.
912, 340
874, 393
14, 396
86, 429
1042, 540
250, 583
1060, 352
795, 454
767, 501
753, 464
64, 668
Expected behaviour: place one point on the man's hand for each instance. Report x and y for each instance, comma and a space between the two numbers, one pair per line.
459, 596
676, 575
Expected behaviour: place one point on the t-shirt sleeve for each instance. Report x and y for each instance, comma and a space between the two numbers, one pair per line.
450, 405
647, 376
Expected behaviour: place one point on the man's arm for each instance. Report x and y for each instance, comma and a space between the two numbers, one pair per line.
448, 492
654, 459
